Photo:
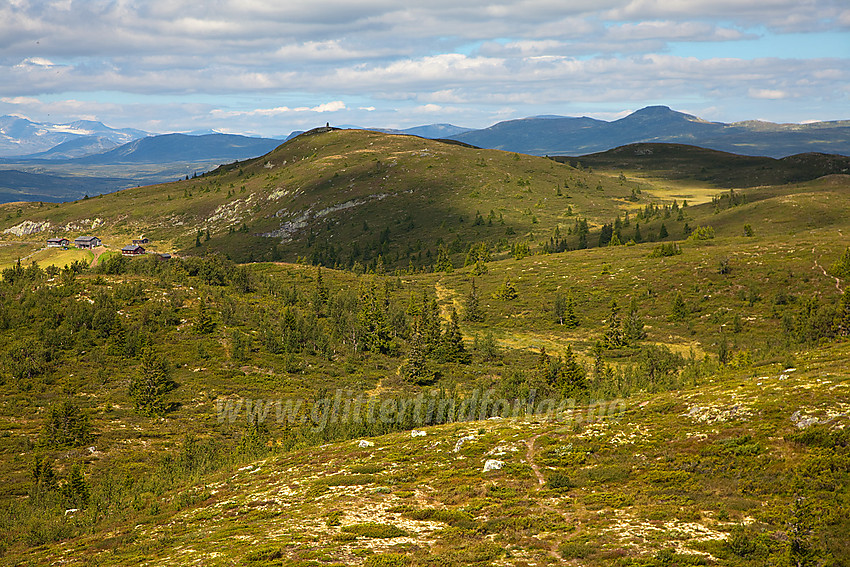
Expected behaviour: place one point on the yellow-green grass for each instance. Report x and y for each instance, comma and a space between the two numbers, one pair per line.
11, 252
61, 257
682, 470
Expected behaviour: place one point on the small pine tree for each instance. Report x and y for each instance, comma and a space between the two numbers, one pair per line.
662, 232
842, 316
560, 308
43, 477
240, 346
75, 491
415, 369
633, 326
320, 295
204, 323
572, 380
66, 426
372, 320
473, 305
680, 309
507, 291
614, 333
443, 263
570, 316
841, 268
451, 347
152, 382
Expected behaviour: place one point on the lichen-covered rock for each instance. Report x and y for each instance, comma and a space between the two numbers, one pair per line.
461, 441
27, 227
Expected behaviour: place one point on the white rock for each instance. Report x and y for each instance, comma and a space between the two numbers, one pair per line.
492, 465
461, 441
416, 433
71, 511
363, 444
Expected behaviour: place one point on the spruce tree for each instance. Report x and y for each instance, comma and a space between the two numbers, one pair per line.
560, 308
571, 317
151, 383
842, 316
572, 379
841, 268
415, 368
321, 292
43, 477
680, 309
614, 333
598, 362
473, 306
75, 491
66, 426
633, 327
430, 322
451, 347
371, 316
443, 263
204, 323
507, 291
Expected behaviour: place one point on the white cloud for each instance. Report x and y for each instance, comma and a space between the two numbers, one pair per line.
769, 94
486, 58
334, 106
429, 108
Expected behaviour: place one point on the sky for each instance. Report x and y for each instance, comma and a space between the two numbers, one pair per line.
269, 67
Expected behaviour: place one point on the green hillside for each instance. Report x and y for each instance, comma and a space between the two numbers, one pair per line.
342, 198
671, 400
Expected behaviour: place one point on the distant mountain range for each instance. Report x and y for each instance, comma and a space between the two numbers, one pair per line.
114, 158
58, 174
23, 137
578, 136
184, 148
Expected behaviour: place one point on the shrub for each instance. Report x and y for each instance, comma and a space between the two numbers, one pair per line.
66, 426
575, 550
455, 518
387, 560
345, 480
607, 500
662, 250
559, 481
268, 554
366, 469
702, 233
374, 530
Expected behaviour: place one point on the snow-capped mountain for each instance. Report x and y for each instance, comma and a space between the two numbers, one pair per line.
22, 137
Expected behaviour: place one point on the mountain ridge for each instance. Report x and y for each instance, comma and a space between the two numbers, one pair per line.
579, 136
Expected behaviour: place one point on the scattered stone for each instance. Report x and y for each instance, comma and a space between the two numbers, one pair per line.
71, 511
416, 433
364, 444
493, 465
803, 421
463, 440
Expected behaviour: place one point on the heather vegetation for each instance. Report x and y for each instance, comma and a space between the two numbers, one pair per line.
622, 375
